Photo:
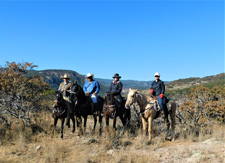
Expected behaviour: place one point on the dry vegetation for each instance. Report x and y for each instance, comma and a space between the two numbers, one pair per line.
23, 145
200, 130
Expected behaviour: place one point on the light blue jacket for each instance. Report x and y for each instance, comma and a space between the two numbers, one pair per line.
92, 87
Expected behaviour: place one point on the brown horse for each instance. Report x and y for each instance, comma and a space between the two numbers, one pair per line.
111, 110
60, 112
148, 111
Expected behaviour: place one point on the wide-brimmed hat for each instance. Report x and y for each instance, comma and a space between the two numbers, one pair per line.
116, 76
66, 76
89, 75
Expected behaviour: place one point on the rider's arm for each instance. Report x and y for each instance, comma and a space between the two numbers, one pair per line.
97, 87
120, 87
162, 87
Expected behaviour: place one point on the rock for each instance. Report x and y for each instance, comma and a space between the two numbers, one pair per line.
212, 141
110, 152
196, 158
38, 148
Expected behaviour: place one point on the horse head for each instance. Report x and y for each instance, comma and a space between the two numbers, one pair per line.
73, 92
110, 102
131, 97
58, 96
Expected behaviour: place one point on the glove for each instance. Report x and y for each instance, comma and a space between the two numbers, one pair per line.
161, 95
151, 91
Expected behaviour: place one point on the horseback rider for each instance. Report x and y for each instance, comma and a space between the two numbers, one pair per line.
115, 89
91, 88
63, 87
158, 89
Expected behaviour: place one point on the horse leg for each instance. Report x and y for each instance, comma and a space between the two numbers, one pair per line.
73, 120
150, 128
114, 126
85, 122
95, 122
123, 120
128, 117
55, 123
167, 127
79, 125
62, 124
144, 123
114, 123
107, 124
166, 120
100, 122
173, 120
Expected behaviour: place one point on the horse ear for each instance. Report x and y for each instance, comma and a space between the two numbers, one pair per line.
129, 89
135, 90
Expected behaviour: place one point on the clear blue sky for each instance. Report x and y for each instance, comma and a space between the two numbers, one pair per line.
179, 39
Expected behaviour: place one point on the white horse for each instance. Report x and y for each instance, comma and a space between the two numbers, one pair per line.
148, 111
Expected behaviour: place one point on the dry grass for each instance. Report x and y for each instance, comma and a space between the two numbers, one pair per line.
21, 144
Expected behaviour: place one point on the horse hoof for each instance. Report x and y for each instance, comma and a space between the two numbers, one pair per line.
149, 142
173, 140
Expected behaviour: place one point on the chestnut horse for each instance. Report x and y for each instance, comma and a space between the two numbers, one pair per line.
111, 110
148, 111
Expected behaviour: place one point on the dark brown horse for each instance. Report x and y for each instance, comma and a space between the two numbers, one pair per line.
83, 107
60, 112
112, 110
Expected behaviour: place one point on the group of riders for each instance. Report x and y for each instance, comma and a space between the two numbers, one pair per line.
91, 88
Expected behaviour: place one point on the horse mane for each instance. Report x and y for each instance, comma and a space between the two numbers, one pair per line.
141, 95
109, 97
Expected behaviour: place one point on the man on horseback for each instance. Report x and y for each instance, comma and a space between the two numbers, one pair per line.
63, 87
158, 90
115, 89
91, 88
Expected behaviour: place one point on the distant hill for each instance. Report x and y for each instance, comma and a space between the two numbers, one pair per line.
209, 81
182, 86
53, 78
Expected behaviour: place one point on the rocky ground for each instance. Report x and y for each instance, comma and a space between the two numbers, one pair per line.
111, 148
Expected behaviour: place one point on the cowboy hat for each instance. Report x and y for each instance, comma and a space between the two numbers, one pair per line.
66, 76
89, 75
116, 76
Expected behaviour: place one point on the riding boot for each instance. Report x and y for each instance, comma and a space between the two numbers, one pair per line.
93, 108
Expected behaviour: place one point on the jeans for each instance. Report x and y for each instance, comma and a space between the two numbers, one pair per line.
94, 98
163, 106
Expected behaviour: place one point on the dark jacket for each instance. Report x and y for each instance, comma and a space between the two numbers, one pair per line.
158, 87
116, 89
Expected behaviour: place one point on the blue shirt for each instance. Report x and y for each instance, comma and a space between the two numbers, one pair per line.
92, 87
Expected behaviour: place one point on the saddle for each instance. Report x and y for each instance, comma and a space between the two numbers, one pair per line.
166, 101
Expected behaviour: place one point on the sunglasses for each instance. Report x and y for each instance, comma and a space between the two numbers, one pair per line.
156, 76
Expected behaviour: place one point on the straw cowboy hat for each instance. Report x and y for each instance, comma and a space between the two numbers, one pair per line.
66, 76
89, 75
116, 76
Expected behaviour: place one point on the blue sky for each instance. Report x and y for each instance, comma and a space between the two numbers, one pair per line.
179, 39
